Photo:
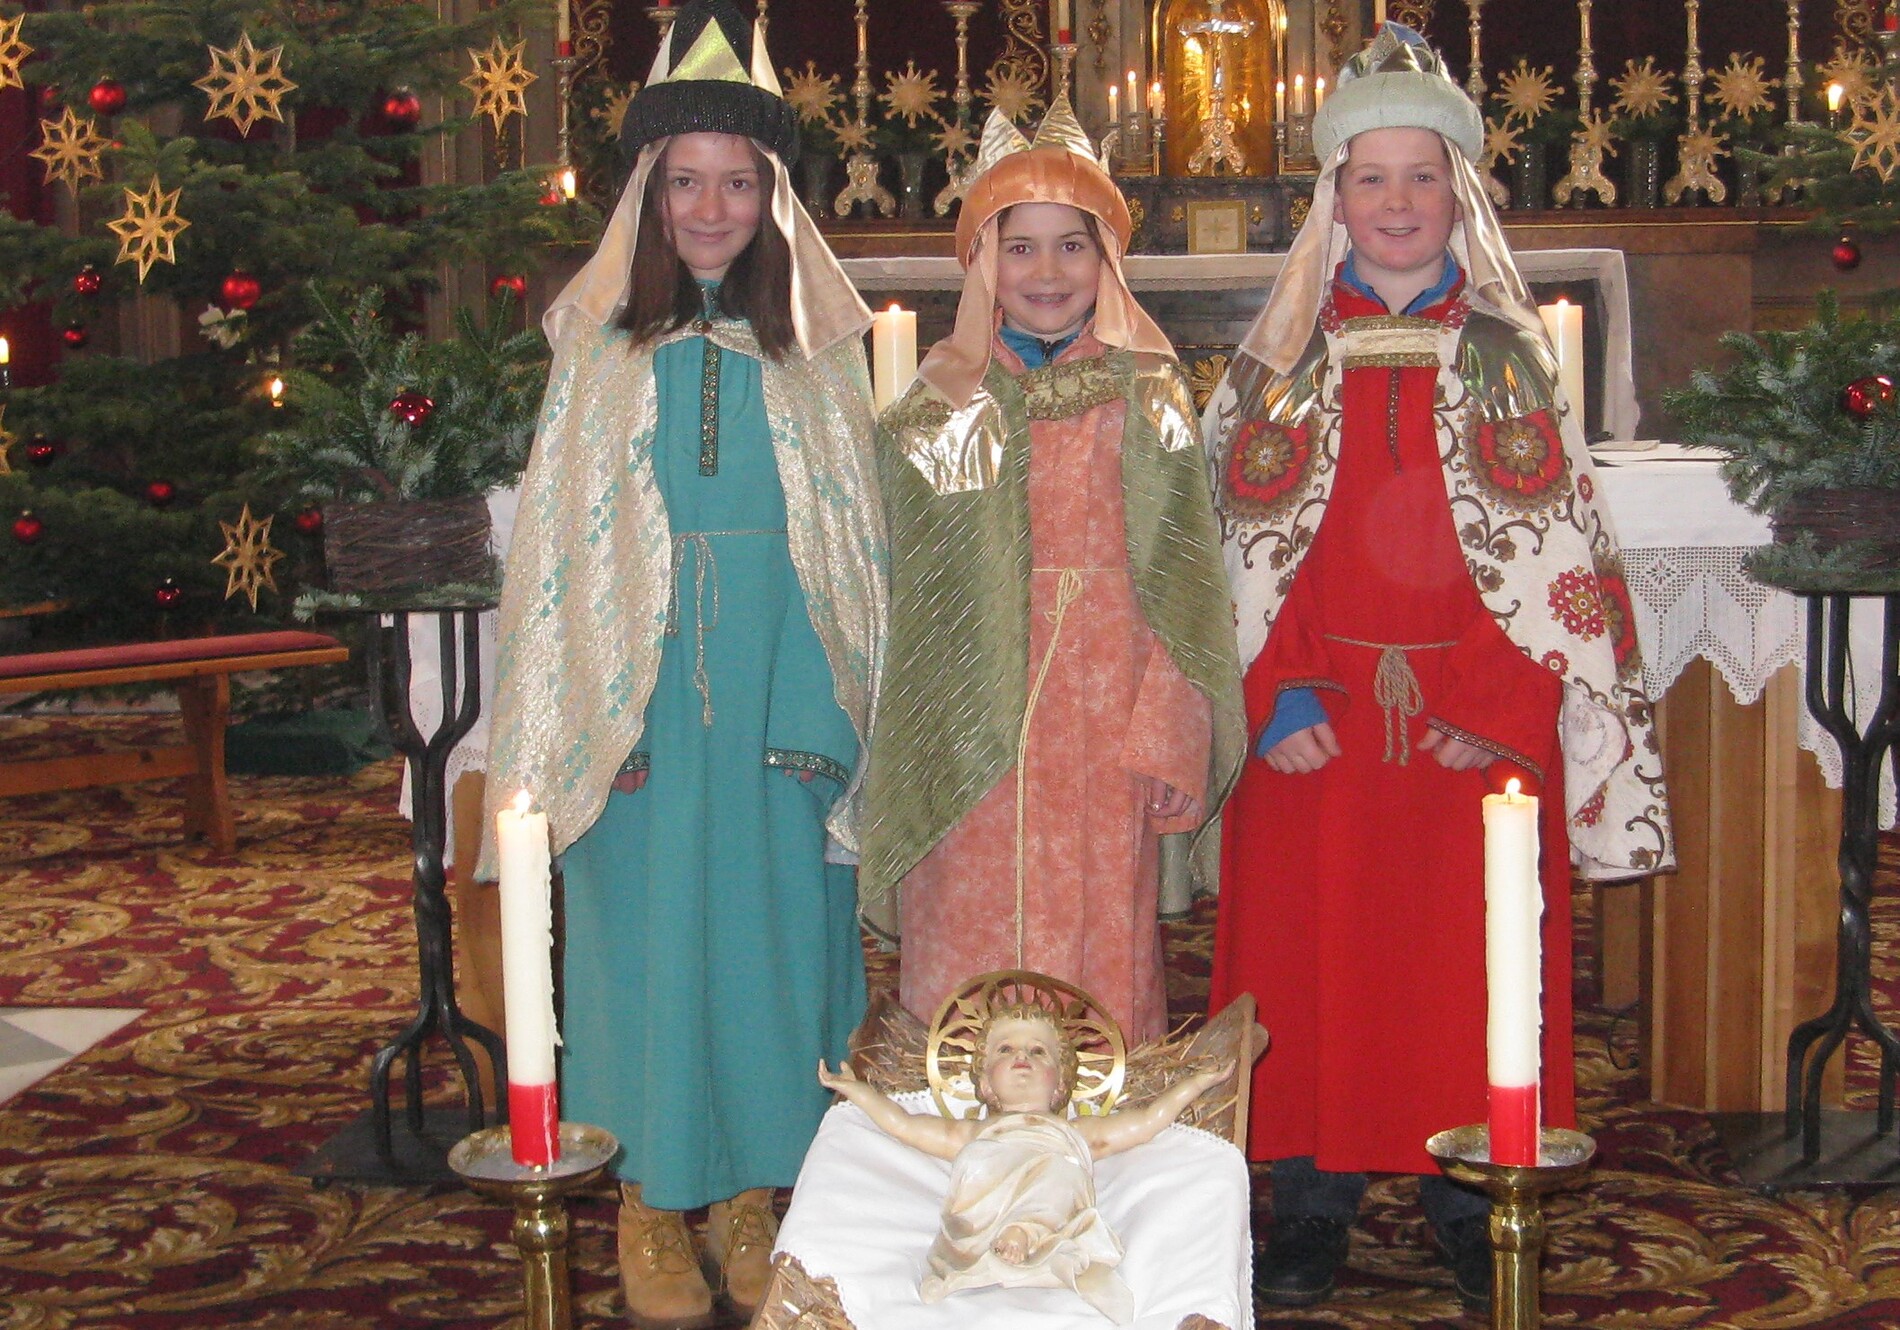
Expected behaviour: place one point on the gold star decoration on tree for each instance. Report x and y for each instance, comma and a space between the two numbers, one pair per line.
853, 137
1643, 90
1853, 71
1742, 89
7, 440
911, 94
71, 149
1500, 141
1526, 93
612, 113
499, 80
148, 227
247, 89
811, 94
247, 557
1875, 133
955, 140
13, 52
1594, 132
1011, 93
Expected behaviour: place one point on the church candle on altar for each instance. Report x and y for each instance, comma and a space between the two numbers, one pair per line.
1299, 94
1279, 101
527, 976
893, 354
1114, 106
1156, 102
1513, 967
561, 21
1563, 321
1061, 24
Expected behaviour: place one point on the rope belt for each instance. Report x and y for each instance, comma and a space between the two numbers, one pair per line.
1395, 689
705, 568
1068, 591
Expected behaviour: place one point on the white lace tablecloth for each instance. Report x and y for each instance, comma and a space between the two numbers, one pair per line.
1683, 540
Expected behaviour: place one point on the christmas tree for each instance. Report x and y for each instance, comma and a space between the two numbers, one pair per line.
224, 165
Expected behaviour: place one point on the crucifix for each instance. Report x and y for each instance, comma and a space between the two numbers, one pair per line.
1217, 140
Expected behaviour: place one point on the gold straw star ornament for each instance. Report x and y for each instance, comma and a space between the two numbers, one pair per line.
247, 557
1875, 134
248, 87
499, 80
13, 52
148, 227
71, 148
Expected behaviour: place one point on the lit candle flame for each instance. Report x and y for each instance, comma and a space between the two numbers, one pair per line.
570, 185
6, 352
1513, 788
522, 803
1835, 92
276, 392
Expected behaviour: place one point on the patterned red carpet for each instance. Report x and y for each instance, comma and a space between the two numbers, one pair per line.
147, 1185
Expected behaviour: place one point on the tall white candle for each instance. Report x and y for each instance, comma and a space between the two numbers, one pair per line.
1319, 94
1279, 101
527, 976
893, 354
561, 20
1563, 322
1156, 102
1299, 94
1513, 965
1062, 20
1114, 106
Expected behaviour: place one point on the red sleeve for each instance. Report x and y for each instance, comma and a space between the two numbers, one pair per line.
1495, 698
1295, 656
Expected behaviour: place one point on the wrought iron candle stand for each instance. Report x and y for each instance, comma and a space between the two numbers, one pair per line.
1517, 1194
485, 1161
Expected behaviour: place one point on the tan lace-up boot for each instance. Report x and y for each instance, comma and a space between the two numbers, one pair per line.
739, 1238
658, 1271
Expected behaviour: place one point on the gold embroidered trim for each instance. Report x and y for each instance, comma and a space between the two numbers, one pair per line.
1390, 341
789, 759
709, 407
1495, 749
1056, 392
636, 762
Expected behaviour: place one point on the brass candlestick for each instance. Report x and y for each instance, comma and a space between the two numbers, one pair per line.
1474, 81
1218, 147
485, 1161
1791, 77
1517, 1194
860, 168
1697, 147
1592, 140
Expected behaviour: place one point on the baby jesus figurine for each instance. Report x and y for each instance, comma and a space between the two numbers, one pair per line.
1020, 1212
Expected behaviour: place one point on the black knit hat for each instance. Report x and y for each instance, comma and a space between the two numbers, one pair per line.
683, 104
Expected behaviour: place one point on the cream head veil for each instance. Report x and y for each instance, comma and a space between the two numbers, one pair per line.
1060, 166
709, 87
1396, 82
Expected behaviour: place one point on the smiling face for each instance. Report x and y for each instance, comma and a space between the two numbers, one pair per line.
712, 200
1396, 202
1022, 1065
1047, 266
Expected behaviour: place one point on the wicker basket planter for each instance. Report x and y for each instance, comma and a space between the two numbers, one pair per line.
410, 545
1866, 518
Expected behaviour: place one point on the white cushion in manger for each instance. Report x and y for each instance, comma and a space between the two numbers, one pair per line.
866, 1207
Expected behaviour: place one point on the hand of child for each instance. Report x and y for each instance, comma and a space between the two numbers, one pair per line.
629, 781
1165, 802
1455, 754
1305, 750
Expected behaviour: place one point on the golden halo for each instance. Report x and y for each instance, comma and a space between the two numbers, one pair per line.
957, 1034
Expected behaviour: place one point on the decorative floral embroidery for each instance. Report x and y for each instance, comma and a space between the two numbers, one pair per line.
1460, 311
1556, 662
1575, 600
1329, 316
1267, 464
1592, 811
1586, 489
1619, 617
1520, 461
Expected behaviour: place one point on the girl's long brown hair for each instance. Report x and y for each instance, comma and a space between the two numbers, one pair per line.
757, 287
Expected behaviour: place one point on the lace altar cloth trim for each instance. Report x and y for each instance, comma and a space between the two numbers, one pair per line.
1694, 602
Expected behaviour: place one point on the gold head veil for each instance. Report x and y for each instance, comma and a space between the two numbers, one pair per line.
1060, 166
826, 308
1396, 82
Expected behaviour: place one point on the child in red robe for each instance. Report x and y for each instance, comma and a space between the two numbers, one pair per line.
1429, 600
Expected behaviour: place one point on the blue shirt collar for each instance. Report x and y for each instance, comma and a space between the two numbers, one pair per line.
1448, 278
1032, 350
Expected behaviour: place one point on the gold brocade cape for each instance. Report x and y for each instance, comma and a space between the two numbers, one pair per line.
955, 487
583, 606
1523, 500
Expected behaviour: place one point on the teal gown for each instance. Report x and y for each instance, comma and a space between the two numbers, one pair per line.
711, 954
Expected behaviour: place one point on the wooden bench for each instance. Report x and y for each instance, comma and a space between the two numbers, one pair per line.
199, 669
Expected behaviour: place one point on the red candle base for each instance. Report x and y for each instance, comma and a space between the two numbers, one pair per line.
564, 49
534, 1119
1514, 1124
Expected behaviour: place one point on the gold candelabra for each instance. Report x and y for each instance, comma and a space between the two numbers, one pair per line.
860, 168
1517, 1208
485, 1161
1218, 147
1791, 77
1474, 80
1592, 139
1698, 146
957, 168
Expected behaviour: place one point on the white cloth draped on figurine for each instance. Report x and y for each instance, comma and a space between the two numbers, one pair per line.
1029, 1172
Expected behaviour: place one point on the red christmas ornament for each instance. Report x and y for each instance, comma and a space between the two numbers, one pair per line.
160, 492
75, 335
1862, 397
168, 593
509, 282
412, 407
239, 290
309, 521
1846, 254
41, 451
107, 96
402, 109
49, 97
88, 281
552, 199
28, 528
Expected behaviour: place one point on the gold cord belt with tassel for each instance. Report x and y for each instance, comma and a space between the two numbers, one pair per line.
1395, 689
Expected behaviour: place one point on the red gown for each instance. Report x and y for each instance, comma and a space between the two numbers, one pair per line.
1352, 899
